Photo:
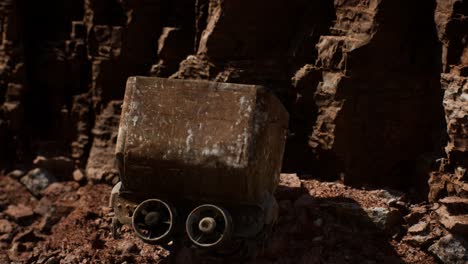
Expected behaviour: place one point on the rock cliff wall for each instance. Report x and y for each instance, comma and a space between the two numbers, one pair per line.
364, 80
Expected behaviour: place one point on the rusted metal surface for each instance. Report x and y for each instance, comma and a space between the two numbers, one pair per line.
200, 140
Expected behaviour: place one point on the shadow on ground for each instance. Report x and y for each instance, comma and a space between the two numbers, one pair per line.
325, 230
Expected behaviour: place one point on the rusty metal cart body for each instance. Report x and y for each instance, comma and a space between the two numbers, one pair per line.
198, 159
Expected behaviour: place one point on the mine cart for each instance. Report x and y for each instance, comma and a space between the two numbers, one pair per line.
199, 162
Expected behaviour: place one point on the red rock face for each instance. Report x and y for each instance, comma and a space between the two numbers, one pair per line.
452, 28
361, 79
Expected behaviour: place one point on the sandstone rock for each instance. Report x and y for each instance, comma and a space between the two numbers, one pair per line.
327, 48
37, 180
101, 165
451, 249
20, 213
456, 205
195, 67
457, 224
82, 116
290, 180
416, 212
424, 238
173, 47
451, 31
417, 228
437, 183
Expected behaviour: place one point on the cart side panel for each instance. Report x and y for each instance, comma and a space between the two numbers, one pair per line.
189, 138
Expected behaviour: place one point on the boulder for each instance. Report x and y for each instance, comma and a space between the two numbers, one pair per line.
384, 218
451, 250
37, 180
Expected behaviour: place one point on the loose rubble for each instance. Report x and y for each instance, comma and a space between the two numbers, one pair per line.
72, 223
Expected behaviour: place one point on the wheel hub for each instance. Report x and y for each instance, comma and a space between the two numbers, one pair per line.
207, 225
152, 218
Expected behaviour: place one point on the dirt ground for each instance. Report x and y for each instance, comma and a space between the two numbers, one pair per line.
320, 222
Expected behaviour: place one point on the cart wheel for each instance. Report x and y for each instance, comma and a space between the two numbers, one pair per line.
209, 226
153, 221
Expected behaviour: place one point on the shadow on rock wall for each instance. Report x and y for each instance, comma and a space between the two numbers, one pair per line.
361, 79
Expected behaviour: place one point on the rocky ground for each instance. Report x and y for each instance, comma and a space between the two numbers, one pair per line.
46, 221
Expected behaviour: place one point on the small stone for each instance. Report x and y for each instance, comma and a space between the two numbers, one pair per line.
384, 218
418, 228
451, 249
127, 247
37, 180
98, 222
16, 174
5, 226
460, 172
19, 213
78, 175
39, 160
